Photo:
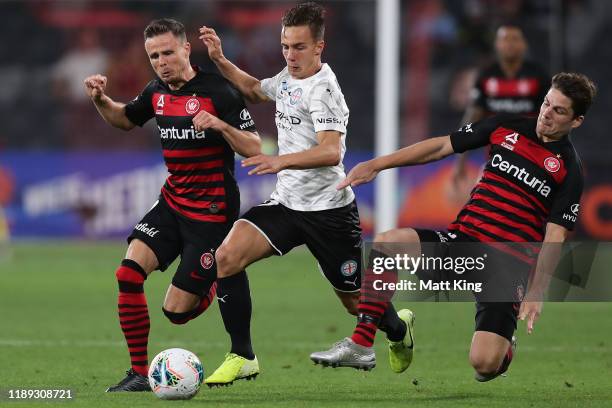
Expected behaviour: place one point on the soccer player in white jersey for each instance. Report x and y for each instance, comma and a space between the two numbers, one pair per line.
306, 208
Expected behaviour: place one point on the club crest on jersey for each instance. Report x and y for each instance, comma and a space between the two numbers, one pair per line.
295, 96
552, 164
192, 106
207, 260
349, 268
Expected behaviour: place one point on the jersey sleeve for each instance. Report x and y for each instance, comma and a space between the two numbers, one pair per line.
474, 135
234, 111
327, 108
270, 85
140, 109
565, 207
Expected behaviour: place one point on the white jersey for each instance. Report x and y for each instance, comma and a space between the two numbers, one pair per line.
303, 108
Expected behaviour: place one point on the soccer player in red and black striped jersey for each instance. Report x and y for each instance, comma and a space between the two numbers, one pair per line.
512, 84
529, 192
202, 121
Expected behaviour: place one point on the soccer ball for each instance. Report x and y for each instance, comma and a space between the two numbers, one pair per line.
176, 374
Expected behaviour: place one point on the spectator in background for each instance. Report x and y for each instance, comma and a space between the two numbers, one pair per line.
128, 71
511, 84
85, 57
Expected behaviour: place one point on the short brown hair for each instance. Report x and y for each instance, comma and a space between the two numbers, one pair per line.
578, 87
310, 14
165, 25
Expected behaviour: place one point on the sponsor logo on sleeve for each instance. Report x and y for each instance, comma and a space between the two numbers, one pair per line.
244, 114
574, 213
246, 117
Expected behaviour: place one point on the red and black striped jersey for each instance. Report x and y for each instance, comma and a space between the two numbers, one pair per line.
523, 94
201, 183
526, 183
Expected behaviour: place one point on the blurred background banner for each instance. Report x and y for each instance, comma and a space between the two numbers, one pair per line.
103, 194
65, 173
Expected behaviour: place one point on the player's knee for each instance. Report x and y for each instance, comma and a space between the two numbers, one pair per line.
130, 271
177, 317
393, 235
228, 261
485, 365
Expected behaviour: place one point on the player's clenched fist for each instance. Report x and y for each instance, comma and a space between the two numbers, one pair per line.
212, 41
95, 85
204, 120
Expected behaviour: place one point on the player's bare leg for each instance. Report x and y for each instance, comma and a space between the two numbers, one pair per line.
490, 355
244, 245
139, 262
350, 300
181, 306
375, 313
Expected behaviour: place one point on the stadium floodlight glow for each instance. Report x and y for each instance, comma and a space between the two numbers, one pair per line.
386, 109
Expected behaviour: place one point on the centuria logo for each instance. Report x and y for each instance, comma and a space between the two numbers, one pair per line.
552, 164
192, 106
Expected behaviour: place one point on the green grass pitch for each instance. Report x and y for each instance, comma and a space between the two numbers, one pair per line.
59, 329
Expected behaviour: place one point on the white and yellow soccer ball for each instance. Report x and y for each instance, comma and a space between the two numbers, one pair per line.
176, 374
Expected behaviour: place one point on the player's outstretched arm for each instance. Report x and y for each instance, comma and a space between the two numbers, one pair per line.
243, 142
326, 153
112, 112
423, 152
548, 258
473, 114
248, 86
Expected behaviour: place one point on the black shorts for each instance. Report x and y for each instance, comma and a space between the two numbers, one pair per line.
333, 236
169, 235
498, 317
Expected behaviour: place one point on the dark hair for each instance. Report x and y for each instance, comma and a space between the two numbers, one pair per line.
165, 25
578, 87
310, 14
512, 24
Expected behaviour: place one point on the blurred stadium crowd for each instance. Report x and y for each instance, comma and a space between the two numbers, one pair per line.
51, 46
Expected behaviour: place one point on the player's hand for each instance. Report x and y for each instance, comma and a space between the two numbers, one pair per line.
204, 120
530, 310
95, 86
362, 173
264, 164
212, 41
